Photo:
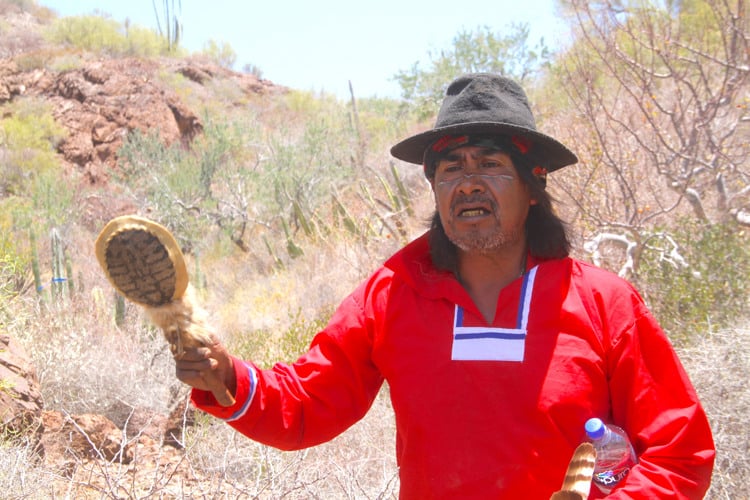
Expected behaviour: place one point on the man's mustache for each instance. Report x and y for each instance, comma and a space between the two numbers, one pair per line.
473, 199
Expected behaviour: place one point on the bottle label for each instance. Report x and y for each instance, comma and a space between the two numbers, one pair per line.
610, 478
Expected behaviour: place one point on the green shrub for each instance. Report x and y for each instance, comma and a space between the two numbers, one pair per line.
100, 34
12, 270
142, 42
162, 177
30, 168
268, 347
28, 138
312, 155
383, 121
235, 177
711, 291
221, 53
197, 188
14, 266
93, 33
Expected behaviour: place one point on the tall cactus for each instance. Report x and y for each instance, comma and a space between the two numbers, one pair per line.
35, 264
69, 273
403, 193
199, 278
172, 25
58, 265
119, 309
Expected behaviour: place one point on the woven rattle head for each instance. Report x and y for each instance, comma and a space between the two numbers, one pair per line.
142, 260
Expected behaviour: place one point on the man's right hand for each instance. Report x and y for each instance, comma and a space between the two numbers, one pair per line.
208, 368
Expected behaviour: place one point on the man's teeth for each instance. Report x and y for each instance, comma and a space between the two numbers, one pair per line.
472, 213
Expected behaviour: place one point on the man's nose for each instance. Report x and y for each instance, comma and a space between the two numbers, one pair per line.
471, 182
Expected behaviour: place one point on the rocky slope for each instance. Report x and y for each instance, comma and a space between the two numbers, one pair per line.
100, 102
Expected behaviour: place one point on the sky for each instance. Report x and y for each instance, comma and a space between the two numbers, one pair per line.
322, 45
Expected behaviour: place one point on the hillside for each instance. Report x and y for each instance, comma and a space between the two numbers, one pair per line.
101, 101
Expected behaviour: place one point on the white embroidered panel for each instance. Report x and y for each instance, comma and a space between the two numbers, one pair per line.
472, 343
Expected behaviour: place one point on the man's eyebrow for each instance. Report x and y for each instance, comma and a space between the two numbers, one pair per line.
452, 156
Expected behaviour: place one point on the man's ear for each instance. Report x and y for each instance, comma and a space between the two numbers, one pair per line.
533, 201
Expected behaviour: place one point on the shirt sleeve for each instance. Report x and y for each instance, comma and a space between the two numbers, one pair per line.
310, 401
653, 399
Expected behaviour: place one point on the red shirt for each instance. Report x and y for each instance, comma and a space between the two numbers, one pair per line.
489, 410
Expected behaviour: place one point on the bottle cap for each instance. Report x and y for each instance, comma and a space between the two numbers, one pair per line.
594, 428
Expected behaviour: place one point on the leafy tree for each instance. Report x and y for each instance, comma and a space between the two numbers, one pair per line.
481, 50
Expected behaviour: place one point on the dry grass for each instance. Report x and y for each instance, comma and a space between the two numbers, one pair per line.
218, 463
358, 464
719, 365
87, 365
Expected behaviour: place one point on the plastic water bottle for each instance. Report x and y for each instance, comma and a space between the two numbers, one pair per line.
614, 453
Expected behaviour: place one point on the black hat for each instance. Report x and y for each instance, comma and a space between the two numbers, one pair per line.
486, 104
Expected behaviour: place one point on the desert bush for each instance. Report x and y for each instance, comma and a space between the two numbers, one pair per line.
13, 260
699, 290
143, 42
304, 171
93, 33
221, 53
382, 121
53, 59
209, 187
266, 347
100, 34
658, 92
238, 177
28, 138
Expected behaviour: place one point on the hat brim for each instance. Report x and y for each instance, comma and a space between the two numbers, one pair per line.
548, 150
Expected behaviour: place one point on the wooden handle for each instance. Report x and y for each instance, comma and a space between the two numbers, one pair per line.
218, 389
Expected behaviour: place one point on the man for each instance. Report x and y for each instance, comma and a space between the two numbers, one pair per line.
496, 346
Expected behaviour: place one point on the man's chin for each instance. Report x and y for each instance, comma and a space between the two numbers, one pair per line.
478, 242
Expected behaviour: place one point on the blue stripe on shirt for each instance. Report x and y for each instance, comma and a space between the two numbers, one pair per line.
490, 335
251, 393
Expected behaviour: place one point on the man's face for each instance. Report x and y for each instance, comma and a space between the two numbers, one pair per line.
481, 200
